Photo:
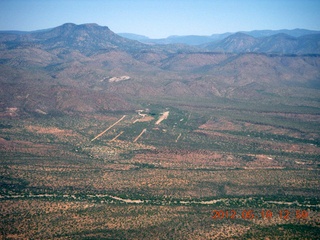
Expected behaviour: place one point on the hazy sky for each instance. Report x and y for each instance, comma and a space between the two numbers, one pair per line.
161, 18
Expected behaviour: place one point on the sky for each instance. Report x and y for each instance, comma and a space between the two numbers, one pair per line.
162, 18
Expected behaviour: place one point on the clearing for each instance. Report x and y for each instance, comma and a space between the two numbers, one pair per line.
163, 117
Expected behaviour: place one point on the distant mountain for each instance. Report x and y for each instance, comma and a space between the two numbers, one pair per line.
134, 36
279, 43
199, 40
238, 42
294, 32
189, 40
86, 38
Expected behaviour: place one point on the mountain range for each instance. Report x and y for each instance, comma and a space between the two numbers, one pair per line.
89, 68
261, 36
279, 43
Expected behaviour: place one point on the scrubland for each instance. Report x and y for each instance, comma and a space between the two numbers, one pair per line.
57, 183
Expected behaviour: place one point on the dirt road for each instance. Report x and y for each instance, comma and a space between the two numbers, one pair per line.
115, 138
136, 139
100, 134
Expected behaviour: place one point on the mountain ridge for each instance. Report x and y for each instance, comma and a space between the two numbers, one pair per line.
202, 39
279, 43
89, 37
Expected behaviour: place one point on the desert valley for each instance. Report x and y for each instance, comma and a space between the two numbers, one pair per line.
106, 137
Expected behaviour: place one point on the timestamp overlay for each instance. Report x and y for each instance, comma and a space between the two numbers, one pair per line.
263, 214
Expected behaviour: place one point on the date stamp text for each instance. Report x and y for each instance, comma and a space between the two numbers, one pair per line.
262, 214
